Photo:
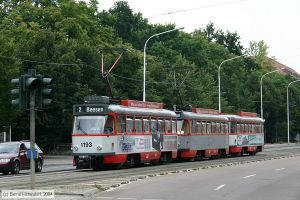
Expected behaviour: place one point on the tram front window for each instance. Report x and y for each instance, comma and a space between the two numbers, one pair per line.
89, 124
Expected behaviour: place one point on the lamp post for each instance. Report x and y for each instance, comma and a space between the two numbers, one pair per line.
261, 89
219, 77
288, 109
145, 46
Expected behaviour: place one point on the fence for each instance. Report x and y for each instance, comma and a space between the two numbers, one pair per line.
4, 137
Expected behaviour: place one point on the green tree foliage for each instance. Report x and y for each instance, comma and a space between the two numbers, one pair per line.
62, 39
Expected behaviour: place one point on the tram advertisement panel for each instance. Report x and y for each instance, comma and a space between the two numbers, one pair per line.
243, 140
160, 142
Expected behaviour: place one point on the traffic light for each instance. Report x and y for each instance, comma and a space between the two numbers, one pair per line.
43, 92
21, 99
28, 83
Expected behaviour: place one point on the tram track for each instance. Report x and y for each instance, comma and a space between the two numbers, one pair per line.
73, 177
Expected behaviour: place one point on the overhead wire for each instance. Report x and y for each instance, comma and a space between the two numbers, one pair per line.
197, 8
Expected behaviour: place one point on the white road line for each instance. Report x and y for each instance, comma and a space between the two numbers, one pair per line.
219, 187
152, 199
249, 176
279, 169
127, 198
103, 197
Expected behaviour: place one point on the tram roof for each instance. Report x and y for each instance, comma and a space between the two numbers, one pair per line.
193, 115
141, 111
242, 118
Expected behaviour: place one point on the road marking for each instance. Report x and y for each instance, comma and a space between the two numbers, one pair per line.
220, 187
279, 169
127, 198
152, 199
249, 176
103, 197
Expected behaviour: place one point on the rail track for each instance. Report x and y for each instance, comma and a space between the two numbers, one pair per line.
108, 178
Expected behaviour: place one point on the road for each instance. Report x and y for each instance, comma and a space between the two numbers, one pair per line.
60, 175
276, 179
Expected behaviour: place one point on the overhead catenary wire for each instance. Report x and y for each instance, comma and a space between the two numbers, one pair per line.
85, 65
196, 8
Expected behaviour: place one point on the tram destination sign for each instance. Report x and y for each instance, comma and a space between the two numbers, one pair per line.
90, 109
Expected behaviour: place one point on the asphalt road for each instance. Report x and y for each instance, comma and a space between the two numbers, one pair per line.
276, 179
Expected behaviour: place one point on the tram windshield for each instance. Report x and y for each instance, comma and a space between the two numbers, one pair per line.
89, 124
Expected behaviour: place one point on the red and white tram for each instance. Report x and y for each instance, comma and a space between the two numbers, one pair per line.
246, 133
130, 133
204, 133
133, 132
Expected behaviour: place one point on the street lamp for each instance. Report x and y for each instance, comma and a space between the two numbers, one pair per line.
261, 89
145, 46
219, 77
288, 109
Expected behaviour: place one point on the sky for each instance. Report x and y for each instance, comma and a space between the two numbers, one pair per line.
276, 22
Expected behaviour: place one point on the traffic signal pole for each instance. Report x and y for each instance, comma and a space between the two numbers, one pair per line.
32, 138
32, 85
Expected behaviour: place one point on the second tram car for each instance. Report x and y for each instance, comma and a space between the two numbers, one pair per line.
204, 133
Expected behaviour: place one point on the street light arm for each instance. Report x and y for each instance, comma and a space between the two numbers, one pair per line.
261, 90
269, 73
145, 47
219, 77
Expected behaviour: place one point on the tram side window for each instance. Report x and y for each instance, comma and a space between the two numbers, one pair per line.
174, 126
238, 128
138, 125
146, 125
246, 128
218, 128
168, 126
208, 126
222, 128
179, 127
260, 128
232, 129
109, 125
153, 126
226, 128
161, 126
203, 124
129, 122
255, 128
213, 127
194, 126
121, 128
199, 127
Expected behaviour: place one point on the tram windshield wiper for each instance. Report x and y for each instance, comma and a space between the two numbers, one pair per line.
80, 128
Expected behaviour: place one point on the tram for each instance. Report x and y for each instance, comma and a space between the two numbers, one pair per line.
246, 133
204, 134
131, 133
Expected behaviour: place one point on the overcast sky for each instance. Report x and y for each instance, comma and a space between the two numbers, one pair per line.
274, 21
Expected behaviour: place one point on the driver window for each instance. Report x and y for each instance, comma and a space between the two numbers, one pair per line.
109, 125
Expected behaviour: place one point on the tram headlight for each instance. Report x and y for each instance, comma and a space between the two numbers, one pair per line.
99, 147
75, 148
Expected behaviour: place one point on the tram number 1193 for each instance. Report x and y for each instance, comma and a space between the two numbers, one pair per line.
86, 144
